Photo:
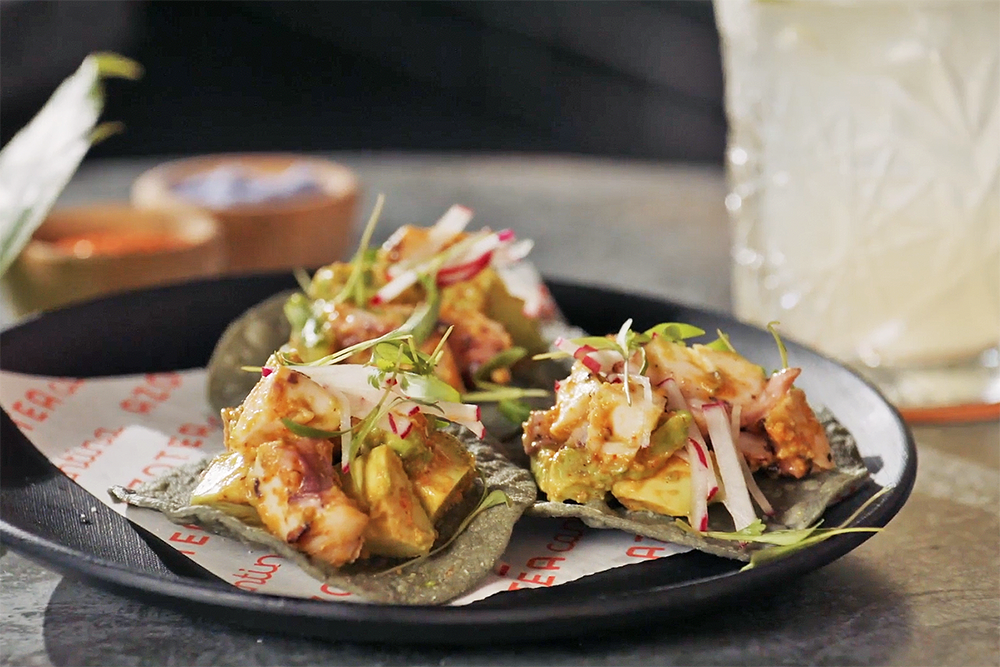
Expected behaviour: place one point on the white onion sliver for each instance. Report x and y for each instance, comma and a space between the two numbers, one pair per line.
622, 337
755, 492
737, 499
647, 389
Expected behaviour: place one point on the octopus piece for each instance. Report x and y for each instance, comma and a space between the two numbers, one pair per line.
282, 393
796, 443
596, 416
299, 499
475, 340
799, 440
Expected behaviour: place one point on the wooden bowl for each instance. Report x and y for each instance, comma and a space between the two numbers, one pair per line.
85, 251
299, 231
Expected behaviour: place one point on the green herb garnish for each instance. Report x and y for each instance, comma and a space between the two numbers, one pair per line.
361, 264
773, 328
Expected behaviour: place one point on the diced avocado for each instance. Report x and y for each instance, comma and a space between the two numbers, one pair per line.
670, 435
441, 479
398, 525
408, 447
223, 486
667, 492
570, 473
508, 310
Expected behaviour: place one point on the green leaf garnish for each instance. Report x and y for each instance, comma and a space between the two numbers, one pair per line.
786, 541
491, 393
104, 131
674, 331
423, 320
503, 359
428, 388
515, 411
781, 550
303, 279
38, 162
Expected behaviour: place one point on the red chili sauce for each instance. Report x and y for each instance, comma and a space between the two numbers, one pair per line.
117, 243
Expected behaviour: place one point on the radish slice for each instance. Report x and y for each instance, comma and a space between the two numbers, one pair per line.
465, 414
350, 384
599, 362
395, 287
459, 272
698, 518
513, 252
352, 378
475, 254
399, 425
737, 498
448, 226
647, 389
675, 401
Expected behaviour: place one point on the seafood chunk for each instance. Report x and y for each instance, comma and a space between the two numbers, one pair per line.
299, 499
282, 393
797, 443
799, 440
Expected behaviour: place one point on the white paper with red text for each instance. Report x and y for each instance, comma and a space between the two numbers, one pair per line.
127, 430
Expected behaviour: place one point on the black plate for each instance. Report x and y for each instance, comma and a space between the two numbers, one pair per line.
176, 328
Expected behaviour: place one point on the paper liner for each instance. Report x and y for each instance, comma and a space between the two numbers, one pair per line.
129, 430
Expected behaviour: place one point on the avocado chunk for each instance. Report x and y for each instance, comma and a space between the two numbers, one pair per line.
398, 525
667, 492
223, 486
670, 435
571, 473
508, 310
441, 477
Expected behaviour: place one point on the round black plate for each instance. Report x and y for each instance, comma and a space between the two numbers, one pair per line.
176, 327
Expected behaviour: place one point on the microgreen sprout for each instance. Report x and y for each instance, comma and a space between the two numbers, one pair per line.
361, 264
773, 328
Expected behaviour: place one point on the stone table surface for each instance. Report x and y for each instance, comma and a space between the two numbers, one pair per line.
925, 591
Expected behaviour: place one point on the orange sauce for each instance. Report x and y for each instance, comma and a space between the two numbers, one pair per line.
116, 243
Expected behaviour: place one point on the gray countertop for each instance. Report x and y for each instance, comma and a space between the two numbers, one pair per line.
925, 591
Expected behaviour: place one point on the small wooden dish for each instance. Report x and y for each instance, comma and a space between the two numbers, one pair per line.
86, 251
301, 231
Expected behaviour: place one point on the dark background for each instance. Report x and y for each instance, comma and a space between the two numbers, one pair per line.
621, 78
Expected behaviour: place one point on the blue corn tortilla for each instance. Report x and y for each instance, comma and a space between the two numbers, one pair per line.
797, 503
433, 580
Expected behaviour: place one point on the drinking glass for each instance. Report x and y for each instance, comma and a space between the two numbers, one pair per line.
863, 161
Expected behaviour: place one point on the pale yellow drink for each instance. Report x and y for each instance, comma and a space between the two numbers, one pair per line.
864, 165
